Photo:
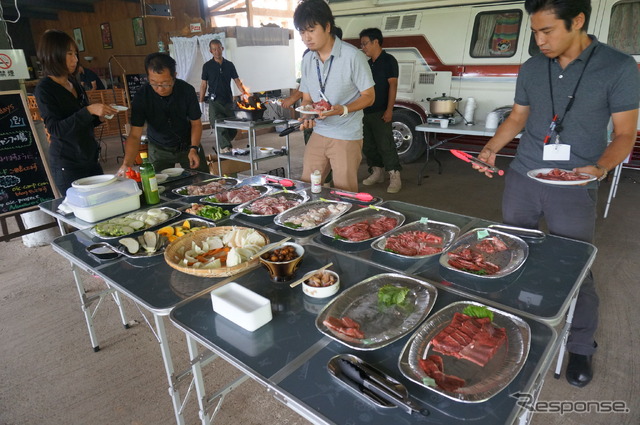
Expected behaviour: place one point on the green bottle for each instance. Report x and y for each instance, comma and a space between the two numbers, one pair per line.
149, 182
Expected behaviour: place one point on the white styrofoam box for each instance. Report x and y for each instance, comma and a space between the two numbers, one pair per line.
242, 306
108, 209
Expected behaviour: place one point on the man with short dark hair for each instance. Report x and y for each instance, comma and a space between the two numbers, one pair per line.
169, 107
89, 79
565, 98
337, 71
379, 147
218, 73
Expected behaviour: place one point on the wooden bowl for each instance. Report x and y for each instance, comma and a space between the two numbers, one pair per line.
172, 256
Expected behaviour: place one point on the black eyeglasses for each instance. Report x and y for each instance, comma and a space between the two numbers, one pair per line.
163, 85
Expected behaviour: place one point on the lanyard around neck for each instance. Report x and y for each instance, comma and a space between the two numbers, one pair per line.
326, 77
572, 98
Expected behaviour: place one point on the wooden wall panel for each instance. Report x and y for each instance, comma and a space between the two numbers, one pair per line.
119, 14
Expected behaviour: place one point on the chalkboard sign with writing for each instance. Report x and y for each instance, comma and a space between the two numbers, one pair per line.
134, 83
24, 177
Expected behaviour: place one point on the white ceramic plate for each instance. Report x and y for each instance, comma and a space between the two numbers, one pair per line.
119, 108
94, 181
265, 150
307, 111
161, 178
172, 172
534, 173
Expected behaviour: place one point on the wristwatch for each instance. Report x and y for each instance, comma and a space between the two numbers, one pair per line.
604, 175
197, 148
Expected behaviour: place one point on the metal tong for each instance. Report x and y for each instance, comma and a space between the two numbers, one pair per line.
473, 160
373, 384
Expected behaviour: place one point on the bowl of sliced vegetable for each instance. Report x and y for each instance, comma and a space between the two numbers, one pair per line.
210, 212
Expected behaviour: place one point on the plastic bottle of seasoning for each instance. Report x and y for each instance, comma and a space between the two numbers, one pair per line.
316, 182
149, 181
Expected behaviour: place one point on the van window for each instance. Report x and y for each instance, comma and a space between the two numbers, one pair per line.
624, 27
495, 34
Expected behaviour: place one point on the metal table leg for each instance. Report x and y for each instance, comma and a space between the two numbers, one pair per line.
433, 148
86, 301
565, 334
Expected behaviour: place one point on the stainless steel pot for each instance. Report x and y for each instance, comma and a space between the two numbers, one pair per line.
443, 105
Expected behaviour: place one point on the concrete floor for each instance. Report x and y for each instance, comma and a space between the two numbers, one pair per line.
51, 375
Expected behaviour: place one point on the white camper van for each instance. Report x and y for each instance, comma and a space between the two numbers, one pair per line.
466, 49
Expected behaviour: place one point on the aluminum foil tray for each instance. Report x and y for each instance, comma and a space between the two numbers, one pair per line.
365, 214
482, 383
229, 183
381, 325
245, 208
283, 218
211, 199
448, 232
509, 261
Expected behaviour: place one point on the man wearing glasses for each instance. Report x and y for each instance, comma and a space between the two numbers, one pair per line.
218, 73
170, 109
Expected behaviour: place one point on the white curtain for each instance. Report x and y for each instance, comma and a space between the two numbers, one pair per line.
203, 44
184, 50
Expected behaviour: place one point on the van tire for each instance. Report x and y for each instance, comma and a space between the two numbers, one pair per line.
410, 143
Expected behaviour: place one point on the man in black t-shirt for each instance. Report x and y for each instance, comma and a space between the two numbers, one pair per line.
89, 79
170, 109
379, 147
218, 73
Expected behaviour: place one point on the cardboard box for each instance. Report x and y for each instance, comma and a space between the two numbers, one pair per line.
229, 167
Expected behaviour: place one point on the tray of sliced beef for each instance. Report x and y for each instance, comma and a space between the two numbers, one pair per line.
236, 195
557, 176
363, 225
485, 253
207, 187
465, 358
272, 204
367, 317
311, 215
420, 239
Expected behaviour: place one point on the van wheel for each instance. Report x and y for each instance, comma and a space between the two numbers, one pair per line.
410, 143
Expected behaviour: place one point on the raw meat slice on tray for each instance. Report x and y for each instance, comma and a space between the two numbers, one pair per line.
433, 366
414, 243
473, 262
470, 338
366, 229
346, 326
562, 175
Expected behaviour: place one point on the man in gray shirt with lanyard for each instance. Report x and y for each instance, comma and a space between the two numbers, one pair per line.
339, 72
565, 97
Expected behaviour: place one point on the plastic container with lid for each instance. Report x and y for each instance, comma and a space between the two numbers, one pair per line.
96, 204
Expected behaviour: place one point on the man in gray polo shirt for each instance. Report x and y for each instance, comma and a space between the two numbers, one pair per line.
565, 97
341, 73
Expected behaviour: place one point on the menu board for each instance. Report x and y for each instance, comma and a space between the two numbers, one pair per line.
134, 83
24, 177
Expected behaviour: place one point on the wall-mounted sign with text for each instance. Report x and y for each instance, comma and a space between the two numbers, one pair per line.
195, 27
13, 65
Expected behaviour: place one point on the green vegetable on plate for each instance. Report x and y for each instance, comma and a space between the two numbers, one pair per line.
390, 295
478, 312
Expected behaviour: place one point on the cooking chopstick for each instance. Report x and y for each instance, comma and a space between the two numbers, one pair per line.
269, 247
299, 281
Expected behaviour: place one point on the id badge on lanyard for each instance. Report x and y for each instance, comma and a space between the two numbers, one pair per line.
555, 151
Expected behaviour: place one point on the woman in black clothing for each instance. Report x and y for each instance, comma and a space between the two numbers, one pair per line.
67, 114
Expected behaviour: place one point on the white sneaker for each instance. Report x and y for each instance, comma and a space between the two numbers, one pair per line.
377, 176
225, 150
395, 184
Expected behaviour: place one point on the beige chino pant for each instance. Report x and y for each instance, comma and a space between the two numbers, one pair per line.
341, 156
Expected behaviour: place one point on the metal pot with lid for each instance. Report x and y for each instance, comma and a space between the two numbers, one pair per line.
443, 105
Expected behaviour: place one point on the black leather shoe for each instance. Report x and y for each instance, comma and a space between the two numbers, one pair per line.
579, 370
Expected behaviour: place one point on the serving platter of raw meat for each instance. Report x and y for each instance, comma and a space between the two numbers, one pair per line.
560, 177
363, 225
207, 187
464, 358
485, 253
357, 319
236, 195
312, 215
272, 204
417, 240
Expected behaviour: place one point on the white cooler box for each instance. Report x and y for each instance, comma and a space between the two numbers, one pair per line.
106, 201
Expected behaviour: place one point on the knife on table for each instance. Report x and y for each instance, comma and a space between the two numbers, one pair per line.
358, 376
